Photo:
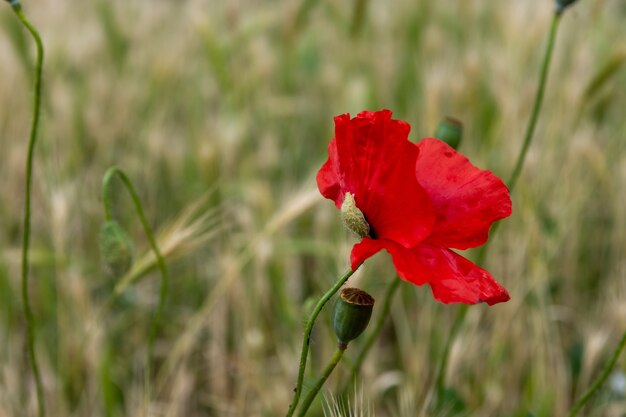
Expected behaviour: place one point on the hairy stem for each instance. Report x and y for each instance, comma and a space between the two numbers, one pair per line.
28, 311
601, 378
156, 322
534, 116
306, 403
307, 337
358, 17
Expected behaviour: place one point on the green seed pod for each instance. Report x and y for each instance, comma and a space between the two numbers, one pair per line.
352, 314
450, 131
116, 248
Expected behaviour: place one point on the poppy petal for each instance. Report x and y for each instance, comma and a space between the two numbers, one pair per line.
328, 176
467, 199
454, 279
372, 158
407, 262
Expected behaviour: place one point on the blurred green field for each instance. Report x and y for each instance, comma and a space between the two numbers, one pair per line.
221, 112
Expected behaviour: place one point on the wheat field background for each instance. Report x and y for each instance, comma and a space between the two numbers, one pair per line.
220, 112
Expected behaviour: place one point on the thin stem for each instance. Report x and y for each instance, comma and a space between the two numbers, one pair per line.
443, 365
534, 116
28, 311
303, 13
601, 378
512, 181
156, 322
532, 122
306, 403
358, 17
307, 337
374, 333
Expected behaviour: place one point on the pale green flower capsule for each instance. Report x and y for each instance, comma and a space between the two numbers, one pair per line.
353, 218
352, 314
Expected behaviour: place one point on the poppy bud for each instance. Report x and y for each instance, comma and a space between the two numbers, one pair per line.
450, 130
563, 4
116, 248
352, 217
352, 314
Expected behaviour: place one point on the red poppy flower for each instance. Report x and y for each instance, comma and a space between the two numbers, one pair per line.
416, 201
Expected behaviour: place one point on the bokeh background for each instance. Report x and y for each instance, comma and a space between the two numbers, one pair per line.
220, 112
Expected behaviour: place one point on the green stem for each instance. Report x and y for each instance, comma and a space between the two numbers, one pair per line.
534, 116
530, 130
306, 403
303, 13
374, 333
532, 123
307, 337
28, 311
156, 322
358, 17
440, 381
600, 380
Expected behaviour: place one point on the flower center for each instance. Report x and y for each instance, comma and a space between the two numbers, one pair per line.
353, 218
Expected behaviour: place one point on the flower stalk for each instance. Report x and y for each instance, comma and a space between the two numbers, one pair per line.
608, 367
306, 340
28, 311
351, 316
534, 116
156, 322
334, 360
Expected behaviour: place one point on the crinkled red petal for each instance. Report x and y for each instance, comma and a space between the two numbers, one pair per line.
467, 200
372, 158
454, 279
407, 262
328, 176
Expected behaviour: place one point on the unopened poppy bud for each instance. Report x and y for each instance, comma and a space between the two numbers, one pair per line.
563, 4
352, 314
352, 217
450, 130
116, 248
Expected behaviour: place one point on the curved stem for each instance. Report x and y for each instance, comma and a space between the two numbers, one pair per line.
374, 333
307, 337
306, 403
600, 380
512, 181
155, 248
28, 312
